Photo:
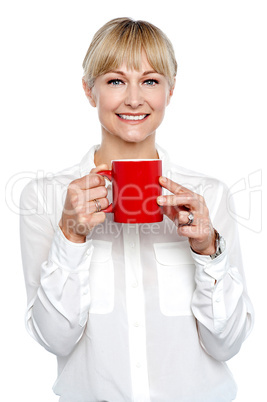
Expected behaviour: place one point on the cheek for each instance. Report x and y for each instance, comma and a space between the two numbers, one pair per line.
159, 101
159, 105
107, 103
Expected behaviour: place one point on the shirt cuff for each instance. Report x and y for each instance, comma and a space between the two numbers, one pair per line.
69, 255
208, 269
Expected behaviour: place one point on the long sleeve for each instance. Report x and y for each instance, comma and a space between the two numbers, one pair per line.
56, 274
220, 303
221, 307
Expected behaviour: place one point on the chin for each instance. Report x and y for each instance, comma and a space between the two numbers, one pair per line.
134, 140
135, 137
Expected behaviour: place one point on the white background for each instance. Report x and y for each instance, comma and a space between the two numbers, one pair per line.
216, 124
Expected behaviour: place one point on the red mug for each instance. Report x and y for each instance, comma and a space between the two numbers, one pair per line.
135, 188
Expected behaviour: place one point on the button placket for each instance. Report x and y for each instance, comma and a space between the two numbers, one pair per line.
136, 313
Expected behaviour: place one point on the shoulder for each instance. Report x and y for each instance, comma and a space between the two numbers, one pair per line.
196, 181
46, 192
212, 189
46, 189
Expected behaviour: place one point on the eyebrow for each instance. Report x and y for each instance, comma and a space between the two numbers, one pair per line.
123, 73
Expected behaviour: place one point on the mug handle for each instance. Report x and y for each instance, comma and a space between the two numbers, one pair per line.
108, 175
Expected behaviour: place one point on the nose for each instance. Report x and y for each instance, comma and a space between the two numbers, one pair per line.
134, 96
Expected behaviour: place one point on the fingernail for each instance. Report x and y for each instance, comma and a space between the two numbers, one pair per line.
163, 179
161, 200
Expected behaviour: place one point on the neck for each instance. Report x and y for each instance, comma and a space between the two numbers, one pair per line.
115, 148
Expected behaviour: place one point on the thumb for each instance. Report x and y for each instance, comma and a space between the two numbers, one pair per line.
103, 166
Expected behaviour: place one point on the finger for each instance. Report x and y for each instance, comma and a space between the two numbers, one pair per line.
173, 187
171, 212
89, 222
98, 203
179, 216
103, 166
95, 192
199, 231
183, 219
98, 217
89, 181
184, 201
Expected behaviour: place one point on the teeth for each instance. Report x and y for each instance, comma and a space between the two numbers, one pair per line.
128, 117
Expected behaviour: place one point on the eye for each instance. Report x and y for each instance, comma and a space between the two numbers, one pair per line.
115, 82
151, 82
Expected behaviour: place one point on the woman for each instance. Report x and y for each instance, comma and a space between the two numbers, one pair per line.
146, 312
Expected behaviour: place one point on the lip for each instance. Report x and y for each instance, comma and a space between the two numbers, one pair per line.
132, 114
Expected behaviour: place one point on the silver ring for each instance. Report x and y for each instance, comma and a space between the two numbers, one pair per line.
190, 219
97, 205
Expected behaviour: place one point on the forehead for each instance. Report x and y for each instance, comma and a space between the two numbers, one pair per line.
145, 67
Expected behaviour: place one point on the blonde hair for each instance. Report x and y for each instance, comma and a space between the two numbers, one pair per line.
123, 39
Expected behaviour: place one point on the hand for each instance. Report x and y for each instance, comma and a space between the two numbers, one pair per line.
80, 214
178, 206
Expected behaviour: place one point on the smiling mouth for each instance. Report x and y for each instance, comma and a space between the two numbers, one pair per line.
132, 117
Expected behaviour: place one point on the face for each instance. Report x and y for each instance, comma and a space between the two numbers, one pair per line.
131, 104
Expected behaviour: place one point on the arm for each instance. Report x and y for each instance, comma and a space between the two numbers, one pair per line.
56, 274
220, 302
221, 307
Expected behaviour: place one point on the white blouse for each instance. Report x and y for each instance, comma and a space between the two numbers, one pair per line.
133, 314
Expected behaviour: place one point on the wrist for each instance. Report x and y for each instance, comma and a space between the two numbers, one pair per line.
210, 249
71, 236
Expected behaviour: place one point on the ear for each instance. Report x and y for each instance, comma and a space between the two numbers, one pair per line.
171, 91
88, 93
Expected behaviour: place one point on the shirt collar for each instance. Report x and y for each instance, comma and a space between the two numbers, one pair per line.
87, 163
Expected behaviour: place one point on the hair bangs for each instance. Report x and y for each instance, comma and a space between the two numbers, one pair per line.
125, 42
